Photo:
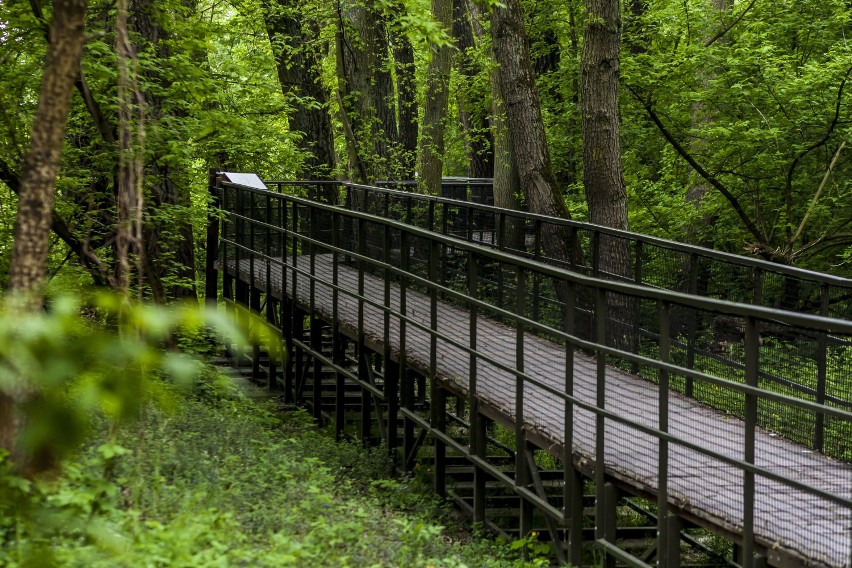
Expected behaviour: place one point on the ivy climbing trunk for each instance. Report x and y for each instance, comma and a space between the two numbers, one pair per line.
406, 88
297, 64
437, 98
35, 201
367, 89
169, 255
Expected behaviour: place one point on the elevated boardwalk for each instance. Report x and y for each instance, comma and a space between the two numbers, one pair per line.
793, 526
418, 307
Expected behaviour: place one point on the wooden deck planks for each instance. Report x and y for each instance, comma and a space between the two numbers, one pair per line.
796, 527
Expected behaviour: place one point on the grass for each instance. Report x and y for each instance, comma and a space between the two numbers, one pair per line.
221, 481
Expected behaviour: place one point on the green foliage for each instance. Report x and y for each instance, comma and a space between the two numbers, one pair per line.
761, 105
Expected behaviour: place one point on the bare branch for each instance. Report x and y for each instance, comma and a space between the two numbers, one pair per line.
730, 26
719, 186
816, 196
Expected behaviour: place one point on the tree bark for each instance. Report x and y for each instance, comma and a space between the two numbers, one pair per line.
406, 87
36, 193
38, 181
525, 126
298, 73
431, 152
603, 178
368, 92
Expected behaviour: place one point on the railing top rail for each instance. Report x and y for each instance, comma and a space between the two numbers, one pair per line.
754, 263
802, 320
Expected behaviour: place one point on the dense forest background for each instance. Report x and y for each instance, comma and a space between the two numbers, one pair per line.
716, 122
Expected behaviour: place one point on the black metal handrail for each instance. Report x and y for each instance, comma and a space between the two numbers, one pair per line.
491, 218
703, 342
277, 229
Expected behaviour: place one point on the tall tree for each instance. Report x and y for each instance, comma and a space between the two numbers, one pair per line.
473, 114
36, 194
525, 127
293, 44
367, 89
406, 88
603, 178
38, 181
431, 153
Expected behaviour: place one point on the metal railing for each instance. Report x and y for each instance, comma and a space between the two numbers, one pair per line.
700, 340
531, 299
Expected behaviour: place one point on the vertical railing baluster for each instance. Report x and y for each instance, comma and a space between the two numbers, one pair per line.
572, 497
602, 512
363, 357
752, 346
596, 252
522, 472
438, 406
337, 341
405, 379
691, 323
536, 304
822, 371
390, 372
663, 525
637, 305
477, 432
316, 322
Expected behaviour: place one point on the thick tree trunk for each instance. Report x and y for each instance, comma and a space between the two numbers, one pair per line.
603, 178
368, 90
35, 202
431, 154
525, 125
506, 183
298, 74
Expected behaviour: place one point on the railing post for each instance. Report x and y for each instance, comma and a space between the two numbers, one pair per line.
664, 527
211, 275
438, 399
692, 323
822, 371
637, 305
752, 356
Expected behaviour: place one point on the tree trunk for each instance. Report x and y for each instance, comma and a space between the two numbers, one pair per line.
169, 253
437, 98
506, 185
38, 181
298, 73
525, 126
35, 203
368, 91
603, 179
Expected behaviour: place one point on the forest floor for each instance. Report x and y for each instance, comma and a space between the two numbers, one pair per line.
215, 478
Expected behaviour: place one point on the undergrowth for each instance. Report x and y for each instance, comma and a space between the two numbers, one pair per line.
216, 480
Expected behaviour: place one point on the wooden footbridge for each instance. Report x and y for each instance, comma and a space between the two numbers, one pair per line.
630, 400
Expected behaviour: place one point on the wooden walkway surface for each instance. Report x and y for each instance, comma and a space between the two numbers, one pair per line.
796, 528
